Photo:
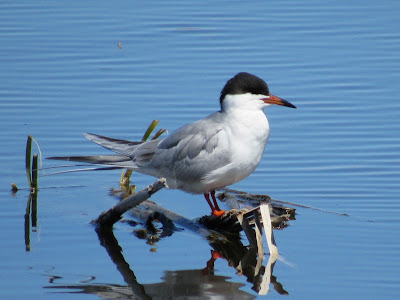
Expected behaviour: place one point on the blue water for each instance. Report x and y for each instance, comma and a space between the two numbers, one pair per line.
62, 73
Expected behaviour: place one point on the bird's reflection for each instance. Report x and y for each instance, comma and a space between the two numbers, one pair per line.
185, 284
188, 284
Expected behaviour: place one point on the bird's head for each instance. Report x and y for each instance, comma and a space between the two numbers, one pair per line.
247, 91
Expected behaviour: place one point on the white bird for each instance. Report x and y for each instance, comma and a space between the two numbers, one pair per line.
209, 154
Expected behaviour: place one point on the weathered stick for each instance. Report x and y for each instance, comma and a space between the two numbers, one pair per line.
269, 234
114, 214
261, 218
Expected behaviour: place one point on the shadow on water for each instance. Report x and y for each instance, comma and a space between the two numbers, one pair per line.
185, 283
30, 218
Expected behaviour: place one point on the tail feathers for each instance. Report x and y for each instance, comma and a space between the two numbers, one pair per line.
111, 160
123, 147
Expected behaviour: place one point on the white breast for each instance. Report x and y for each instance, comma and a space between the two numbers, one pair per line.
247, 133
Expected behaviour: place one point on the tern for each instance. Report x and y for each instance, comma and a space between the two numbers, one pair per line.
207, 155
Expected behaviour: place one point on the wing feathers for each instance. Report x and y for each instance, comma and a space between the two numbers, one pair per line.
111, 160
123, 147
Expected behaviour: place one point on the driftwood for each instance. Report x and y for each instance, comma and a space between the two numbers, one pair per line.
114, 214
280, 214
248, 218
223, 234
261, 215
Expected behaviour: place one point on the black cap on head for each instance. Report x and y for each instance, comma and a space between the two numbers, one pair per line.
243, 83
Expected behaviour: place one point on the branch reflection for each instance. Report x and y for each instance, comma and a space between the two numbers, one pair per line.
186, 283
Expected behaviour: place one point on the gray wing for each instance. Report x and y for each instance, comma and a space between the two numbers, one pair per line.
138, 153
188, 154
192, 152
131, 154
123, 147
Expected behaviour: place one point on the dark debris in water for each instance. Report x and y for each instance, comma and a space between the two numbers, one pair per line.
227, 224
239, 200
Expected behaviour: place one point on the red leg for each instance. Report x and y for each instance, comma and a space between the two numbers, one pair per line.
214, 200
215, 210
207, 196
210, 264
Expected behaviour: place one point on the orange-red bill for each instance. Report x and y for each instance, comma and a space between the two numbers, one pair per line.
279, 101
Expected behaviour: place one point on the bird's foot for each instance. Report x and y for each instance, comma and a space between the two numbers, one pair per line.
218, 213
216, 254
210, 264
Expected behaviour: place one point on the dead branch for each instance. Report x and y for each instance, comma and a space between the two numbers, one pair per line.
110, 217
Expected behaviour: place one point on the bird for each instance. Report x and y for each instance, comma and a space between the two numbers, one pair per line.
206, 155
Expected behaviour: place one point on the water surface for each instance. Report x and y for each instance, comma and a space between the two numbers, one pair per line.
62, 73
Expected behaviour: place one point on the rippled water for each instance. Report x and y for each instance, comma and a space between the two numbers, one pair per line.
62, 73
